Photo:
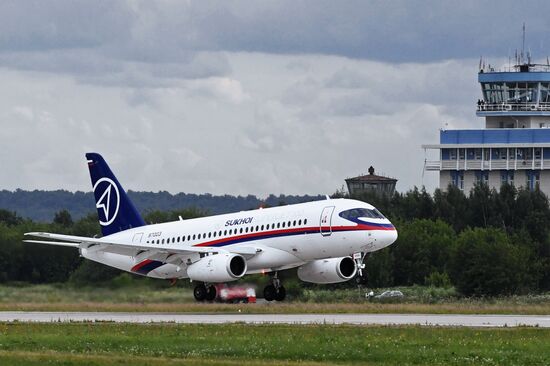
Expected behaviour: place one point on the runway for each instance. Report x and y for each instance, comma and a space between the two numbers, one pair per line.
356, 319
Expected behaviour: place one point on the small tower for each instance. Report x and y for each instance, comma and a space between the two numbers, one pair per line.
514, 145
371, 183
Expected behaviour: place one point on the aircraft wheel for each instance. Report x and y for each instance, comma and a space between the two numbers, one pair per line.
210, 293
281, 294
269, 293
200, 292
361, 280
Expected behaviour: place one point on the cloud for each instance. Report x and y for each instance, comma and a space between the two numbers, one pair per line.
239, 97
171, 32
226, 88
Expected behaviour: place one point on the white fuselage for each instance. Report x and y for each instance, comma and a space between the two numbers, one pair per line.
270, 239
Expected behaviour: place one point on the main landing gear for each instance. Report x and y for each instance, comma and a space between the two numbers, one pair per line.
275, 290
204, 292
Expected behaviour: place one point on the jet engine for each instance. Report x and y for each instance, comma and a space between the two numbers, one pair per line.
223, 267
332, 270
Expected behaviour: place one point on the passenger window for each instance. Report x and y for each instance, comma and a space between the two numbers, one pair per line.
305, 221
225, 232
241, 231
283, 225
279, 225
183, 238
289, 224
214, 234
220, 233
294, 223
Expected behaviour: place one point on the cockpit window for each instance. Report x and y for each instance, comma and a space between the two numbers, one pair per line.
361, 212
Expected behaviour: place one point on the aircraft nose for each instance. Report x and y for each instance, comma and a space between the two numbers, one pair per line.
388, 237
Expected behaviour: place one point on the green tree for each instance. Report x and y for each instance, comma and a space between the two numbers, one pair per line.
156, 217
9, 218
451, 206
486, 263
422, 248
379, 267
63, 218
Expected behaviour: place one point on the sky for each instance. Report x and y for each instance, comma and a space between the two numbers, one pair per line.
244, 97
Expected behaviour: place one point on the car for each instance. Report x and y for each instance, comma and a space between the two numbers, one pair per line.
234, 294
392, 294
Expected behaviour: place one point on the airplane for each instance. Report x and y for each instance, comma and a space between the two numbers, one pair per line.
326, 240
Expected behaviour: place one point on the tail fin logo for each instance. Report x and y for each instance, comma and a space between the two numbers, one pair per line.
108, 203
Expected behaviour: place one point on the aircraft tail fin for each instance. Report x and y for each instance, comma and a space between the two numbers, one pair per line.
115, 210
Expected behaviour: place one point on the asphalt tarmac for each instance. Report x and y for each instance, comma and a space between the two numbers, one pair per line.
542, 321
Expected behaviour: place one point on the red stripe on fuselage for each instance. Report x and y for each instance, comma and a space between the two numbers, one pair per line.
306, 230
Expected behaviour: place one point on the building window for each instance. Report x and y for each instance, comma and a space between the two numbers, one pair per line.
482, 177
533, 179
452, 154
457, 179
477, 154
507, 177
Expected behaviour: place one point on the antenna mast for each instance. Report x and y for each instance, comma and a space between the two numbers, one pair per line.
523, 44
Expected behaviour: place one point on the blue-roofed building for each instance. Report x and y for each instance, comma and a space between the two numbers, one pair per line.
514, 146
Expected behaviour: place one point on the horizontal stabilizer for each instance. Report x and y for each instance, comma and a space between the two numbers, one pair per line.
61, 243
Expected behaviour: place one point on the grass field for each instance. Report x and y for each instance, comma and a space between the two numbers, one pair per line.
237, 344
177, 299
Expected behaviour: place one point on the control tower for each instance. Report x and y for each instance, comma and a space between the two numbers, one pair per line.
514, 146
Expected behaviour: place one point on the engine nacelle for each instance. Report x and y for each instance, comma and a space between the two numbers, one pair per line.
331, 270
222, 267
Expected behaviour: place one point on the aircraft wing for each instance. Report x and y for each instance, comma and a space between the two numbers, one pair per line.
119, 247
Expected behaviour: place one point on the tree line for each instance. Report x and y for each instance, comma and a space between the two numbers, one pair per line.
41, 206
486, 243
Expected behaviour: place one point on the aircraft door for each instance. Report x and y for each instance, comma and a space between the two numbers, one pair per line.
325, 223
137, 238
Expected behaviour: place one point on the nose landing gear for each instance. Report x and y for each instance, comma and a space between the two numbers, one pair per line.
361, 277
275, 290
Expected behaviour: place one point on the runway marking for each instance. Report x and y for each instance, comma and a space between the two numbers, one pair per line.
217, 318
